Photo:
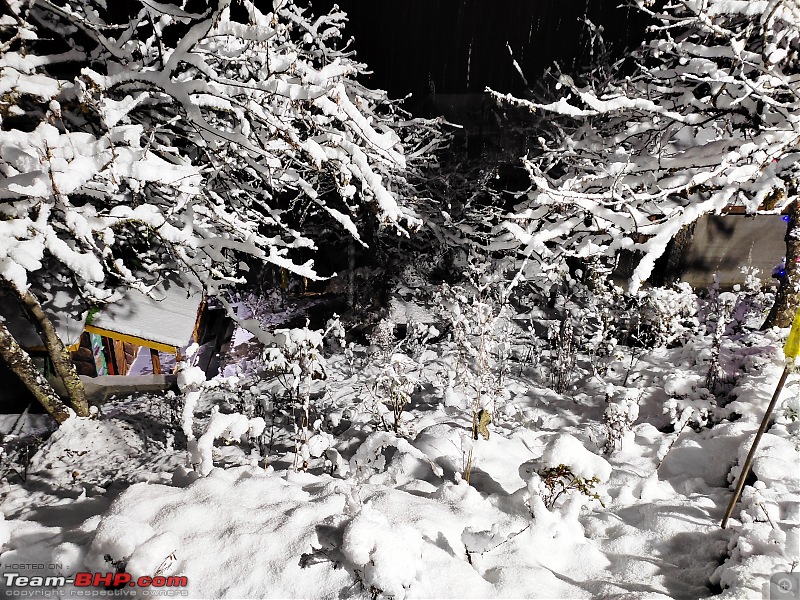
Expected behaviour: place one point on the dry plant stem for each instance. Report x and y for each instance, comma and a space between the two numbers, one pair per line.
475, 408
748, 463
677, 437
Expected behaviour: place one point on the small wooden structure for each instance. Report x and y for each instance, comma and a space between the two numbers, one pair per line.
106, 341
163, 321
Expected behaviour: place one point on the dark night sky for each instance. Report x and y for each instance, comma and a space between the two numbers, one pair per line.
421, 46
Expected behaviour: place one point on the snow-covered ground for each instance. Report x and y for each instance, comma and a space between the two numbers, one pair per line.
380, 513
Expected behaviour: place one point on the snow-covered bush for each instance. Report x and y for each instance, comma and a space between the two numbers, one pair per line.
689, 403
753, 299
622, 410
190, 382
393, 386
230, 428
600, 319
791, 409
227, 427
295, 356
563, 355
566, 475
663, 316
417, 337
757, 542
370, 458
721, 307
476, 311
382, 336
561, 480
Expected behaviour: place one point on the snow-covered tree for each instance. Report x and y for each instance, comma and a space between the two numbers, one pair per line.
705, 115
144, 139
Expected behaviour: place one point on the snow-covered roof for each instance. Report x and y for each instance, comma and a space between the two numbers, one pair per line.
166, 316
64, 308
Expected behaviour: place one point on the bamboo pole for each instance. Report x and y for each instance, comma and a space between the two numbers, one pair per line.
748, 463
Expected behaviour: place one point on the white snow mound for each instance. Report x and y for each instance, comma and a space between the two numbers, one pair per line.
563, 449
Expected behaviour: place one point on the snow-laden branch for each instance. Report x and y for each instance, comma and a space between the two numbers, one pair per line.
243, 137
709, 118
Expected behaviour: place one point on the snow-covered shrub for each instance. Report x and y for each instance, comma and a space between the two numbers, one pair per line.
751, 302
335, 334
791, 409
477, 316
227, 427
663, 317
622, 410
370, 459
689, 403
16, 453
397, 379
295, 357
534, 347
563, 355
566, 473
116, 539
417, 337
717, 310
190, 382
597, 310
759, 541
476, 311
561, 480
382, 336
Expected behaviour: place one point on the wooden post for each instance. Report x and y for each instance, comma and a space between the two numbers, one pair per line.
751, 455
156, 361
119, 355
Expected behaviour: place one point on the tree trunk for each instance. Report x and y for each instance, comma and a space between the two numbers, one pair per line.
670, 265
22, 365
787, 298
62, 361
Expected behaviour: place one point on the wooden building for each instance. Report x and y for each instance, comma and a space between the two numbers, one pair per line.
108, 340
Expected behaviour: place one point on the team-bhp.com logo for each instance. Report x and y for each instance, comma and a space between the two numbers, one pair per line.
90, 584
